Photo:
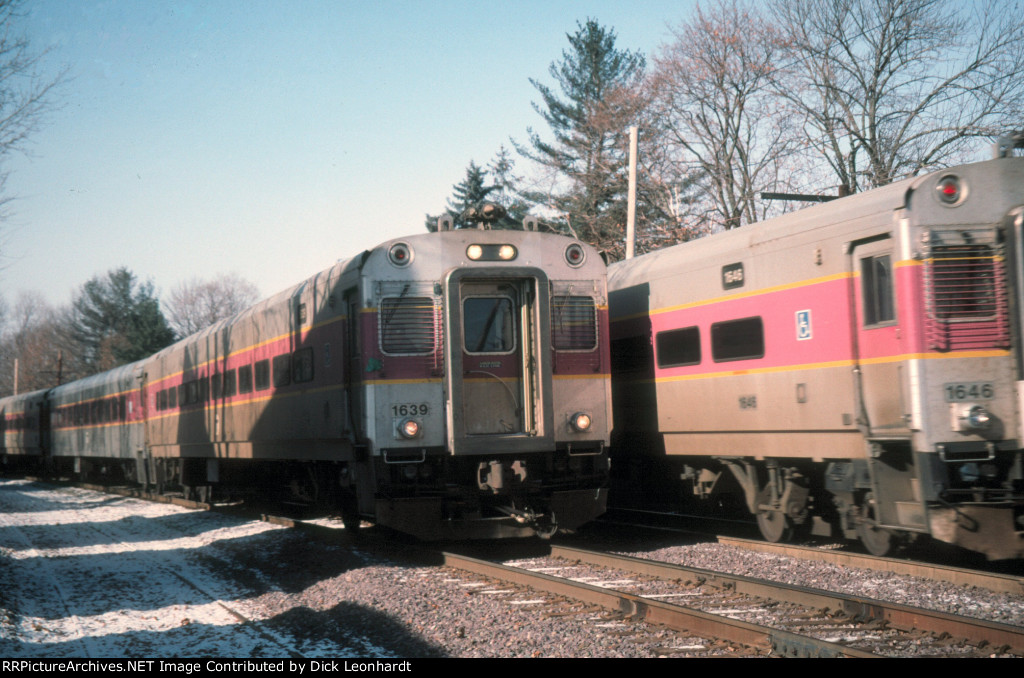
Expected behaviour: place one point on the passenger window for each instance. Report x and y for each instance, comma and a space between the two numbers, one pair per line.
876, 290
282, 370
737, 340
229, 383
488, 325
302, 365
677, 348
245, 379
262, 373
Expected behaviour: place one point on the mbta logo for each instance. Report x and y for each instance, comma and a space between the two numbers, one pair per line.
803, 325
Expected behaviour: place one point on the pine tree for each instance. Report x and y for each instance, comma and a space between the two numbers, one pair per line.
589, 117
115, 320
506, 191
467, 193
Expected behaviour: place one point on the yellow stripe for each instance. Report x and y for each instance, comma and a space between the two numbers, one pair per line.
248, 349
207, 407
836, 363
387, 382
753, 293
761, 291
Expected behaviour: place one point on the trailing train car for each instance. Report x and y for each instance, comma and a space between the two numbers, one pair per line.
854, 368
23, 429
447, 385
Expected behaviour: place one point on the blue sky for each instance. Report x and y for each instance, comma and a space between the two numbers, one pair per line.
271, 138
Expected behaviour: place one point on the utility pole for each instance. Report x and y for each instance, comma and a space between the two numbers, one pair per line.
631, 200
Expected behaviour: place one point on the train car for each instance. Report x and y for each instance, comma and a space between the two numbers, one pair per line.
854, 368
96, 424
24, 428
448, 385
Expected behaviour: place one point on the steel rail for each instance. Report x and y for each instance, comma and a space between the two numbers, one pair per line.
673, 616
999, 583
900, 616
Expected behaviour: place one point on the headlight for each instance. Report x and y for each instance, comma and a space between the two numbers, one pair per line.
580, 421
409, 428
972, 418
491, 252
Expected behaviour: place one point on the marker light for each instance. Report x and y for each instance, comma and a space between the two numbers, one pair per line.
574, 255
400, 254
948, 190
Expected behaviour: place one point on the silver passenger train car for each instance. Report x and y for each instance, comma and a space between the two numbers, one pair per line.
854, 368
447, 385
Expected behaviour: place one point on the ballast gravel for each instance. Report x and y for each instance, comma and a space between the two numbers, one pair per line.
84, 574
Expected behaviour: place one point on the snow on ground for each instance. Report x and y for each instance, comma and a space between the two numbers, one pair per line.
84, 574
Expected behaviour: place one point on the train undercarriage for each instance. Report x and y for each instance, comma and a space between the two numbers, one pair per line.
434, 497
887, 501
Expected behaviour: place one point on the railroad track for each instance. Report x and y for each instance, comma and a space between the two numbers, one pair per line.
766, 616
990, 579
763, 617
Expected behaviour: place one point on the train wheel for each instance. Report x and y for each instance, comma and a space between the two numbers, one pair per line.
198, 493
546, 528
774, 525
878, 541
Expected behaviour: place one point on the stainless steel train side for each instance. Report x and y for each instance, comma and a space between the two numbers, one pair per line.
448, 385
853, 368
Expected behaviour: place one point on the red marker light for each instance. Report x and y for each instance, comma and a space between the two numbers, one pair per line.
574, 255
949, 190
400, 254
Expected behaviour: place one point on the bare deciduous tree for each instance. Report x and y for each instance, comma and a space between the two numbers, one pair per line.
889, 88
35, 337
25, 93
718, 112
197, 304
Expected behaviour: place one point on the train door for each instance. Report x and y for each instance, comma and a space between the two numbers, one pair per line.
877, 339
353, 366
136, 443
44, 430
498, 378
881, 381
